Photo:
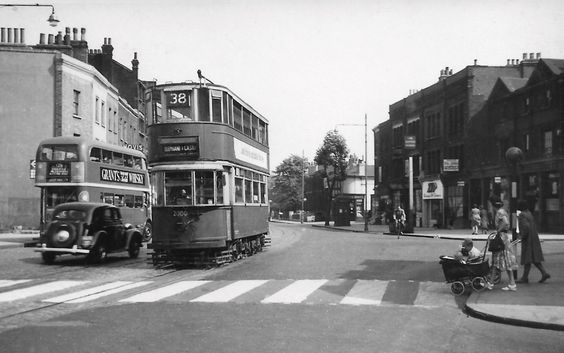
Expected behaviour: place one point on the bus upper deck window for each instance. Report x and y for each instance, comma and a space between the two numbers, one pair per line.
95, 154
106, 156
128, 160
118, 158
137, 163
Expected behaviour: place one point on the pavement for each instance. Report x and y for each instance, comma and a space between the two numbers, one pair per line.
535, 305
532, 305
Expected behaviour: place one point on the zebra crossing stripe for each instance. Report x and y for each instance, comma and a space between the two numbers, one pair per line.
366, 292
38, 289
8, 283
96, 292
163, 292
230, 291
296, 292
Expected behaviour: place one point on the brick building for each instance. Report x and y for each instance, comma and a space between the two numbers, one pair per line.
433, 122
58, 88
527, 114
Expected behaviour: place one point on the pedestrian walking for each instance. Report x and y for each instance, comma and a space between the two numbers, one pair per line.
504, 260
475, 219
484, 220
531, 251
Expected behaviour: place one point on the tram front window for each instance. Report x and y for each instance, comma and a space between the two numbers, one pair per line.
178, 188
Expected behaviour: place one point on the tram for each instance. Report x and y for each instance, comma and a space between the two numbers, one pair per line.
209, 167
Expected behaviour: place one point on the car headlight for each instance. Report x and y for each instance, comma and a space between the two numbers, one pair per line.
62, 236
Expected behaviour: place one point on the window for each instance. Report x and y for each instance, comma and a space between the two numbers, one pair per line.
76, 103
246, 122
219, 182
204, 188
398, 136
216, 106
239, 190
547, 142
178, 188
254, 127
103, 113
95, 154
59, 153
118, 158
97, 112
237, 116
262, 133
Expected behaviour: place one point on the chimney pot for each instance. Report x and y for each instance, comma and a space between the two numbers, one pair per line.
42, 38
508, 60
475, 62
109, 41
50, 39
75, 33
538, 55
531, 56
83, 34
524, 56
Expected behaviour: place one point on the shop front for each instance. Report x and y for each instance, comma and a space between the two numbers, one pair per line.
433, 203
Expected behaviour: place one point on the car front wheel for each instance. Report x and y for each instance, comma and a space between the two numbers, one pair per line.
134, 249
97, 255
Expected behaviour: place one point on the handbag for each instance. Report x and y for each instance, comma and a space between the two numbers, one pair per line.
496, 244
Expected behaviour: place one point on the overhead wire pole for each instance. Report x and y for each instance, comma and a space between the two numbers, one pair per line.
303, 188
365, 167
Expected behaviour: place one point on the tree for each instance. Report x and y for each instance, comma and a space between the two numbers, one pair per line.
286, 184
332, 156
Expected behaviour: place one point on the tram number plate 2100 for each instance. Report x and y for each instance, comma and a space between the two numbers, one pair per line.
182, 213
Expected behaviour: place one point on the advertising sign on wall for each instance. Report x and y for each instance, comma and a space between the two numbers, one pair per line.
432, 189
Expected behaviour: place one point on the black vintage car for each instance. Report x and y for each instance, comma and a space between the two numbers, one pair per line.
93, 229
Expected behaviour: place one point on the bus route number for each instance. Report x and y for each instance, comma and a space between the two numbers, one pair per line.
178, 98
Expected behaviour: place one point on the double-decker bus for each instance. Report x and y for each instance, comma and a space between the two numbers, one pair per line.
72, 169
209, 161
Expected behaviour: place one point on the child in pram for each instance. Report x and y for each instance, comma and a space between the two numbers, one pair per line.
467, 268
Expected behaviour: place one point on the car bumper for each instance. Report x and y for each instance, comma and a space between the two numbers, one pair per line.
74, 250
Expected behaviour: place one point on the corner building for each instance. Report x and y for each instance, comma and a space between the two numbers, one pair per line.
49, 90
430, 126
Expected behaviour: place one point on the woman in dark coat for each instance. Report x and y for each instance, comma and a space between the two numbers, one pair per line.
531, 251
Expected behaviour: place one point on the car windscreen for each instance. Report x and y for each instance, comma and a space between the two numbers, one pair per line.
71, 215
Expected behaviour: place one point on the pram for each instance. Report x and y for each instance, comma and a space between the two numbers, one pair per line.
462, 275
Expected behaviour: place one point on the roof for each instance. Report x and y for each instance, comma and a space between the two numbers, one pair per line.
555, 65
513, 83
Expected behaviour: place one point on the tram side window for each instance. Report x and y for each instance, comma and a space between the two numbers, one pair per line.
219, 182
262, 133
237, 116
239, 190
178, 188
204, 187
246, 122
254, 131
216, 106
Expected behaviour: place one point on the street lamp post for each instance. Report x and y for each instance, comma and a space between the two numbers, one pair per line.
53, 20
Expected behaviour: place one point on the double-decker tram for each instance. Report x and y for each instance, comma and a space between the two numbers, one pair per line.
72, 169
209, 160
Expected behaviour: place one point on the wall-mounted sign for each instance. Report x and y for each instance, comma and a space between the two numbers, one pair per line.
432, 189
410, 142
182, 146
450, 165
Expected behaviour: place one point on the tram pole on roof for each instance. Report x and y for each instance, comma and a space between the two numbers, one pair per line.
200, 76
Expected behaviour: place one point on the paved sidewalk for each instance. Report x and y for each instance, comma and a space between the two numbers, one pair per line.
537, 305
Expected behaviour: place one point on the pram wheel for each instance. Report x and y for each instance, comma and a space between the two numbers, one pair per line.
457, 288
478, 284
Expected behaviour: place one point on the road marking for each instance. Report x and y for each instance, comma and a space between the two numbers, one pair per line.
366, 292
8, 283
230, 292
164, 292
38, 289
296, 292
96, 292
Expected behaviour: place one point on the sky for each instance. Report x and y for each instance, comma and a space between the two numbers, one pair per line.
308, 66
